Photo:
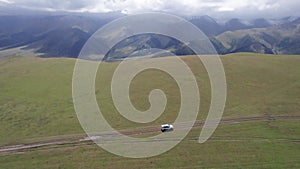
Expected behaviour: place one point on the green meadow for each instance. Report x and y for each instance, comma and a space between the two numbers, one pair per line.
36, 105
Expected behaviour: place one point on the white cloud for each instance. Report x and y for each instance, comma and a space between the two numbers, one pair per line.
225, 9
180, 7
6, 1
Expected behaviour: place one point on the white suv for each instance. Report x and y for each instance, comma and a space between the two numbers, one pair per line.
166, 127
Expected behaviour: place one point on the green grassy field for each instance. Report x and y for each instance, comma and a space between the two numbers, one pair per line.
36, 104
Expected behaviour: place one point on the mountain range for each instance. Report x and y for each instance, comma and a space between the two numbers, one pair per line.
64, 35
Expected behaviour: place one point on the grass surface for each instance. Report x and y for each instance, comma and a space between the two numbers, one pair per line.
36, 99
249, 145
36, 104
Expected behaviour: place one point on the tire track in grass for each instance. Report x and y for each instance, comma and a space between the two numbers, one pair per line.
151, 130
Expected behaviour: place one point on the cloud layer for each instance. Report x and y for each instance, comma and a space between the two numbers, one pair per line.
237, 8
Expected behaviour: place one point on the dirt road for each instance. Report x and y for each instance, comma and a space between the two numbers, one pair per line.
140, 131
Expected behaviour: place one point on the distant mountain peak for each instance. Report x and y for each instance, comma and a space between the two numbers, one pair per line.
64, 34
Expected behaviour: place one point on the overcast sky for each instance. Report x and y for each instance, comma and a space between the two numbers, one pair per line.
215, 8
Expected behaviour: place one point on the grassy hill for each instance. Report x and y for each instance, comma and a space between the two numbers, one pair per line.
36, 105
